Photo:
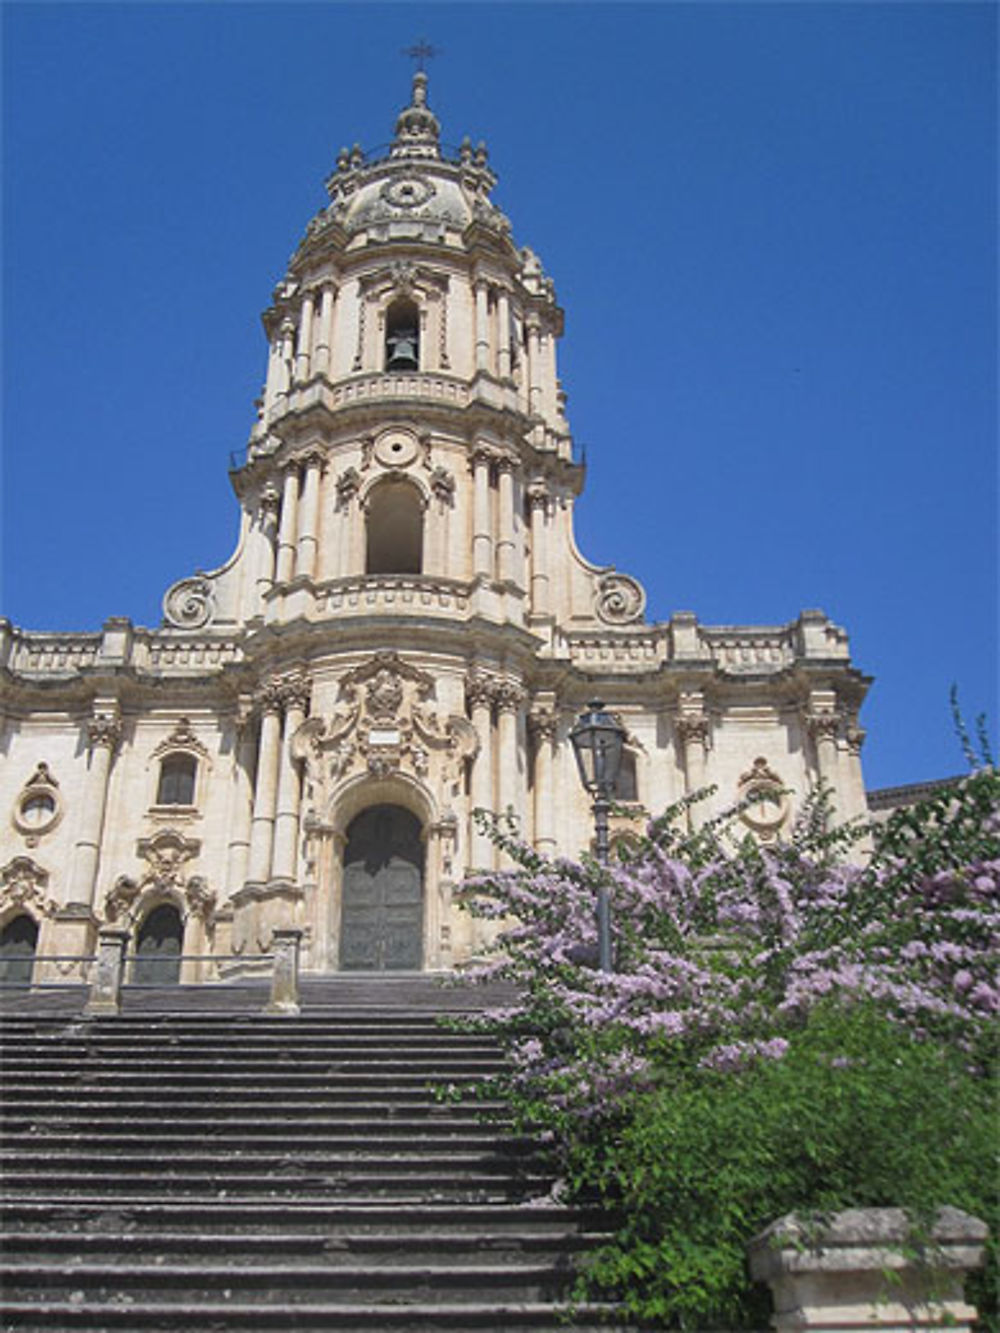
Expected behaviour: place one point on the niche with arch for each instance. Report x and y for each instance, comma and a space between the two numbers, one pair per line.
158, 947
394, 529
18, 942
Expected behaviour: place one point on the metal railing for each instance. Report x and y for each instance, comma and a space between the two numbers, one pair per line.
111, 962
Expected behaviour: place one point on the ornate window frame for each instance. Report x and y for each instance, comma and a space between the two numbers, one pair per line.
182, 741
40, 786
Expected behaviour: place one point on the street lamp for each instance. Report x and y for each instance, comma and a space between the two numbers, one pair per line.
597, 739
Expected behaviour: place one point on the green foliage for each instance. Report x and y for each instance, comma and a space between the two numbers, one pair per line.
857, 1114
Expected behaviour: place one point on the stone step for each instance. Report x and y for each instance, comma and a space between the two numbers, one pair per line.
97, 1108
399, 1159
243, 1317
240, 1249
445, 1137
229, 1077
262, 1213
517, 1278
413, 1183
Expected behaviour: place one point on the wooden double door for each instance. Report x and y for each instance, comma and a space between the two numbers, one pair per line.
382, 904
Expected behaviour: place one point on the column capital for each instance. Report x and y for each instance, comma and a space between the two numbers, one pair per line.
480, 687
270, 499
296, 690
509, 696
693, 728
269, 697
823, 725
542, 723
104, 729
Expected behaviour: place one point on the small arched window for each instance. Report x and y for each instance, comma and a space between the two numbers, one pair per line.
176, 784
395, 536
402, 335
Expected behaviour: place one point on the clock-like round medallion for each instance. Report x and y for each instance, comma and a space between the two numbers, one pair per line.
407, 191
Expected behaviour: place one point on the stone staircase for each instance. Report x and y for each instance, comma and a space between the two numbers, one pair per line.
194, 1164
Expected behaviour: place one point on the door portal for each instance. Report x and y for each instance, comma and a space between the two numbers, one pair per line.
382, 906
158, 948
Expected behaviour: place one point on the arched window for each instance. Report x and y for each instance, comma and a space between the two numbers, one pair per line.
402, 335
395, 529
18, 941
177, 775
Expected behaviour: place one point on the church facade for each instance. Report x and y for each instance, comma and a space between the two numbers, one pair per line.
405, 632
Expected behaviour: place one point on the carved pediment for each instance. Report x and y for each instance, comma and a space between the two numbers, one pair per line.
386, 724
23, 883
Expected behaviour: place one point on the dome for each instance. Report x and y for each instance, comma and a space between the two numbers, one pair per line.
413, 192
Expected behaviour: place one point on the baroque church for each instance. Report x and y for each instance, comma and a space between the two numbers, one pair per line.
405, 632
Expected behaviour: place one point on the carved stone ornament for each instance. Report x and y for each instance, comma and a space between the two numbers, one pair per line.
189, 603
619, 599
23, 883
823, 725
104, 729
167, 855
543, 723
181, 738
38, 808
396, 449
384, 725
481, 687
347, 486
693, 727
768, 808
407, 192
443, 485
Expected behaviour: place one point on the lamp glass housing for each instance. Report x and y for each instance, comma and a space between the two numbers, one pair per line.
597, 739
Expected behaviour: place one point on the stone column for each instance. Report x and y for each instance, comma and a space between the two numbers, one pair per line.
534, 367
303, 346
308, 527
505, 505
509, 701
693, 731
286, 361
479, 690
503, 320
863, 1269
295, 693
240, 804
482, 327
824, 727
482, 528
272, 384
543, 728
324, 334
538, 501
266, 789
267, 519
103, 736
289, 522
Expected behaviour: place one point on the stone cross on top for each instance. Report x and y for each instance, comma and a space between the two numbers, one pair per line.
421, 52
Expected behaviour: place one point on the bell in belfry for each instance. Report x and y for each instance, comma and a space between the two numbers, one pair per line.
402, 348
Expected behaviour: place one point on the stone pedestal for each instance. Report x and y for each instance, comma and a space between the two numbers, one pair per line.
284, 1001
864, 1269
106, 987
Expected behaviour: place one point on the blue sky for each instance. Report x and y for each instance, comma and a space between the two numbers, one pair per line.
772, 228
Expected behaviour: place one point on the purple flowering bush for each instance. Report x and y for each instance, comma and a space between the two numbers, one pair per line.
783, 1029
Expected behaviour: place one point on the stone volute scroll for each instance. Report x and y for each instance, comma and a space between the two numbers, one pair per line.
189, 603
619, 599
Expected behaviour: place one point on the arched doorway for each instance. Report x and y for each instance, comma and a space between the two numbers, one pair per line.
382, 904
158, 948
18, 941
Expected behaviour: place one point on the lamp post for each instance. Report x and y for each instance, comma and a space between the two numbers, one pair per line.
597, 739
